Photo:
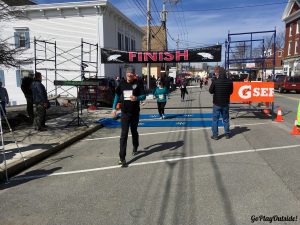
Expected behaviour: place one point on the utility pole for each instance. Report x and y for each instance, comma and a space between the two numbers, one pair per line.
164, 25
177, 46
148, 41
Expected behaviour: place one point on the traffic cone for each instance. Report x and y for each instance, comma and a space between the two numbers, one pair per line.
295, 130
279, 117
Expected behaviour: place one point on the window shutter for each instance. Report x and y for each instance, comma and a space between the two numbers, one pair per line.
17, 41
18, 78
2, 77
27, 39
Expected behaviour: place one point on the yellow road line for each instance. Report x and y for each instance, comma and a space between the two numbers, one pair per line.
279, 95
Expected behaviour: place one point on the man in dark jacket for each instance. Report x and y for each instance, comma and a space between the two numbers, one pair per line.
4, 99
40, 100
221, 88
26, 88
130, 92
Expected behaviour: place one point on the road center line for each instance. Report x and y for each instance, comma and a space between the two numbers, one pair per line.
173, 131
156, 162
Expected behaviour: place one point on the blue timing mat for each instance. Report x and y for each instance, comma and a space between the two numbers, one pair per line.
203, 123
111, 123
108, 122
172, 116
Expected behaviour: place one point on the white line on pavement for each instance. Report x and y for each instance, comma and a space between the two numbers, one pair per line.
157, 161
172, 131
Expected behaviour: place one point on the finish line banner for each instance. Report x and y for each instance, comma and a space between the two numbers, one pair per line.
207, 54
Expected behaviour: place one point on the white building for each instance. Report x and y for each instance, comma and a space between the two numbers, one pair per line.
95, 22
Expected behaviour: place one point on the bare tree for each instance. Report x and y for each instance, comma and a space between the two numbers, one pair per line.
8, 54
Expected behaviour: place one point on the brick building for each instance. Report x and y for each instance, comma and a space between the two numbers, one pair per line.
158, 43
291, 56
278, 61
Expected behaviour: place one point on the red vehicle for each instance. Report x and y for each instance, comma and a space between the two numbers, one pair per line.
103, 94
285, 83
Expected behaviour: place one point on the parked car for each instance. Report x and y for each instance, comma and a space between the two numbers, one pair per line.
273, 78
285, 83
102, 95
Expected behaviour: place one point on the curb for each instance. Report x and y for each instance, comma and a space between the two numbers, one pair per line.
18, 166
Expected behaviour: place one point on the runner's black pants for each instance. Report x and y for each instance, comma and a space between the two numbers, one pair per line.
183, 91
129, 120
161, 108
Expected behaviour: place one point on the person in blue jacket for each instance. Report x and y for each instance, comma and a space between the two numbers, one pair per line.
161, 93
130, 92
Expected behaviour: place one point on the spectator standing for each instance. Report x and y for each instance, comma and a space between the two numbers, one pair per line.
26, 88
41, 102
3, 98
221, 88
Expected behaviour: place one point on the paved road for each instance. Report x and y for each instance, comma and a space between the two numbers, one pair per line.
181, 176
289, 104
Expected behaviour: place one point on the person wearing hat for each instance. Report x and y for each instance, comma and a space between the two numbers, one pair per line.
130, 92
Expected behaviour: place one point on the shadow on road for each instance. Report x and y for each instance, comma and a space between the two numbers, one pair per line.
29, 176
171, 146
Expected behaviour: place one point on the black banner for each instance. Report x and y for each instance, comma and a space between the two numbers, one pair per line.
206, 54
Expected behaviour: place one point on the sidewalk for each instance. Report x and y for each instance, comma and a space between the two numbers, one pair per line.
35, 146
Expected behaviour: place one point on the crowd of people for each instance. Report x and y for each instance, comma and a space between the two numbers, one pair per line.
131, 91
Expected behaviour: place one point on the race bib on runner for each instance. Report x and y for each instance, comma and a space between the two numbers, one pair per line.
161, 97
127, 94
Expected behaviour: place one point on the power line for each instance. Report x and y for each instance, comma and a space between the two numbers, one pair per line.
234, 7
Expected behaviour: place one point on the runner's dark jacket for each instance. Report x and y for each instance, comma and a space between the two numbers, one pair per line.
130, 106
221, 89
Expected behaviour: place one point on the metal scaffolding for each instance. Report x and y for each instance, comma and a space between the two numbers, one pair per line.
69, 64
250, 47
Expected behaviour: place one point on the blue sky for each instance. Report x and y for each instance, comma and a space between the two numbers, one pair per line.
203, 22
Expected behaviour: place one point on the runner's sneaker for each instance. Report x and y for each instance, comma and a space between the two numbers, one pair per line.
122, 163
134, 152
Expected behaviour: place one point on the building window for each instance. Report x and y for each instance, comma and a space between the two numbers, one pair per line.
280, 54
296, 47
126, 43
289, 48
20, 74
119, 41
297, 27
133, 45
22, 38
2, 79
291, 29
